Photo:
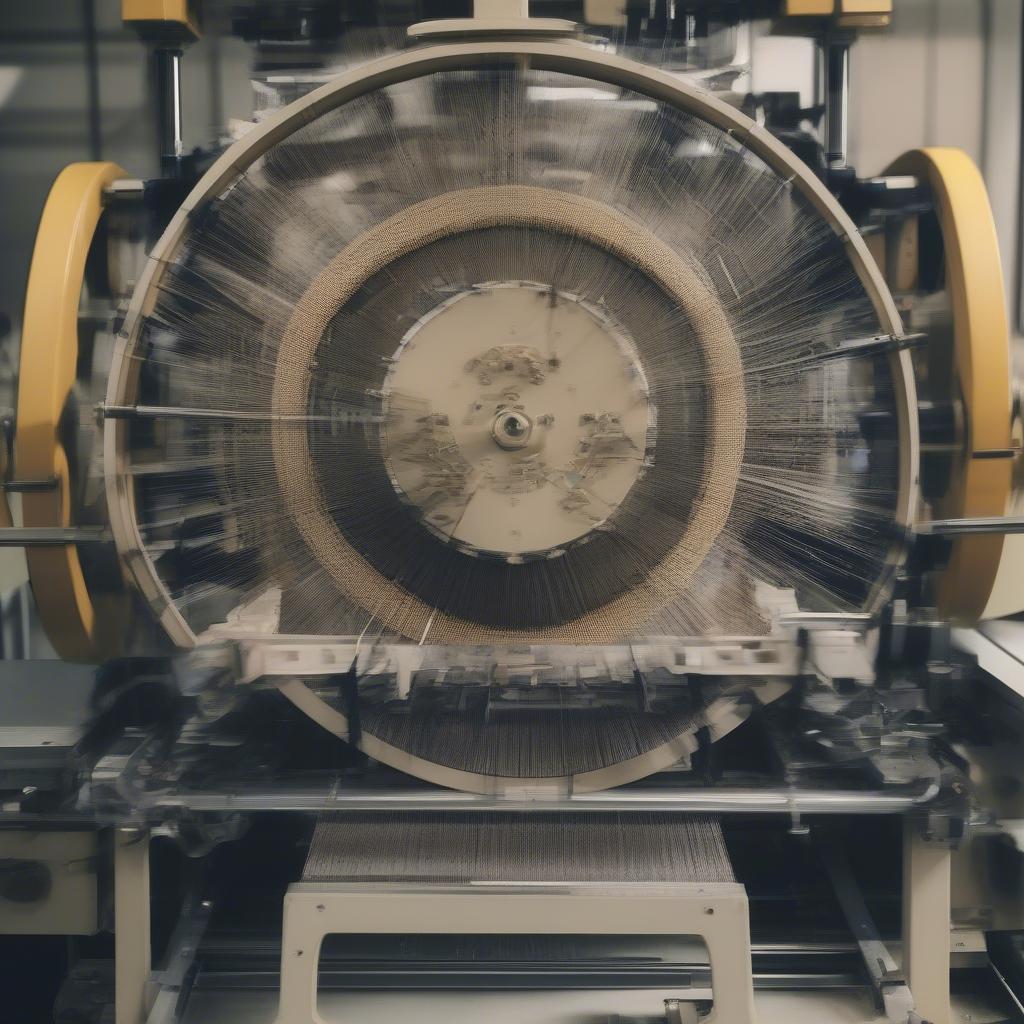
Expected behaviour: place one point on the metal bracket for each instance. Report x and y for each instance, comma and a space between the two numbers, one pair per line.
494, 17
678, 1011
131, 190
878, 345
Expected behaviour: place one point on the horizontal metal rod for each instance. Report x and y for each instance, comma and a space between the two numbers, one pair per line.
717, 800
232, 964
48, 483
223, 946
869, 346
995, 453
359, 979
177, 412
827, 620
49, 536
977, 525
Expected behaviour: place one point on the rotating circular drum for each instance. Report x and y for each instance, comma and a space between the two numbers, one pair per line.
509, 343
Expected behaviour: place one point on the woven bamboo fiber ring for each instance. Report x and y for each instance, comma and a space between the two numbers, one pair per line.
475, 209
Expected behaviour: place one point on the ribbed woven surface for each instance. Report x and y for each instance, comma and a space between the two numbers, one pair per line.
466, 210
532, 745
532, 847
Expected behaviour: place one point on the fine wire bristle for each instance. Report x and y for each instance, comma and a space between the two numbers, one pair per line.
495, 847
813, 504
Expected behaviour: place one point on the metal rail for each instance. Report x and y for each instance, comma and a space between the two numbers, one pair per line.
721, 800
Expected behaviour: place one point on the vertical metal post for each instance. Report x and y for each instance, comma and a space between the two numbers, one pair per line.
927, 910
92, 73
131, 926
168, 91
837, 99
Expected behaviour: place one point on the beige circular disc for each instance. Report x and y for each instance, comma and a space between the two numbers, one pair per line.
517, 420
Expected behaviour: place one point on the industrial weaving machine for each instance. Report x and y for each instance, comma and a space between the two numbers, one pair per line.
515, 479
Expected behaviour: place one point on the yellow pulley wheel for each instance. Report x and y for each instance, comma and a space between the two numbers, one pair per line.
981, 481
47, 374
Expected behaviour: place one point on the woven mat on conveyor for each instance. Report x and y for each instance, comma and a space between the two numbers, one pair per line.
530, 847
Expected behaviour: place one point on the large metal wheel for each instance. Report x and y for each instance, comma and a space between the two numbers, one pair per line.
269, 358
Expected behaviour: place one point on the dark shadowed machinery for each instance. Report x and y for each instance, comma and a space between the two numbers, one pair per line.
536, 515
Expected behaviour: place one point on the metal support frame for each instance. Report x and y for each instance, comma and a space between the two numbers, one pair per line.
167, 63
131, 926
837, 97
891, 990
716, 913
393, 798
175, 982
927, 913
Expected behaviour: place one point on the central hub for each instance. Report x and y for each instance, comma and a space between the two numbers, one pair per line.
460, 447
511, 430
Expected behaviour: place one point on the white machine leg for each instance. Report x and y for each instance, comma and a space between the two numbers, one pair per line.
305, 926
926, 923
716, 913
131, 926
726, 930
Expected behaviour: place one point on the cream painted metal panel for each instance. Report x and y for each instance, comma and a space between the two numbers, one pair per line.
71, 905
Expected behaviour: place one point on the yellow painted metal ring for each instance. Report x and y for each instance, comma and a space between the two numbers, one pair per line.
47, 374
982, 474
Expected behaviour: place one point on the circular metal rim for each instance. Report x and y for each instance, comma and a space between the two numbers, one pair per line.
571, 57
